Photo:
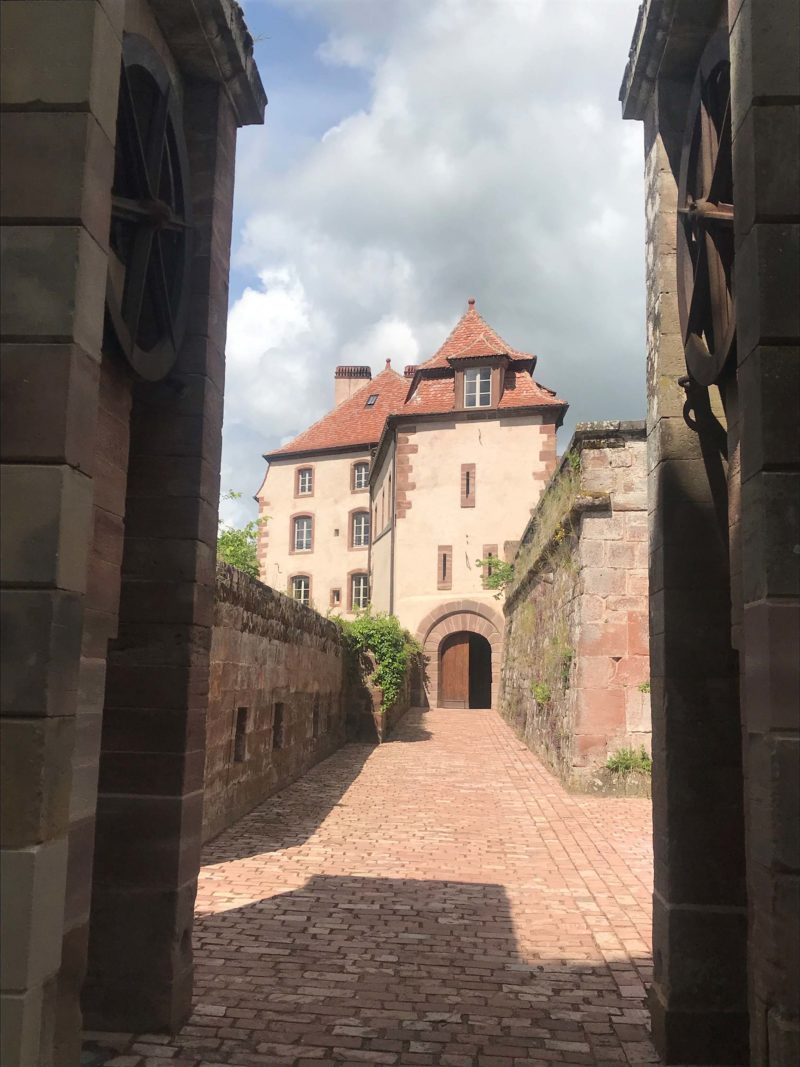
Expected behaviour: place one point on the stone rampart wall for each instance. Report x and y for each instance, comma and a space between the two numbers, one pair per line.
271, 659
575, 675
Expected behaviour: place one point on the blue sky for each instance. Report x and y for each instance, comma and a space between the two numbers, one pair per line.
416, 153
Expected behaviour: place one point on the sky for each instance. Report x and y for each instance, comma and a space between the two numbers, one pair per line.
417, 153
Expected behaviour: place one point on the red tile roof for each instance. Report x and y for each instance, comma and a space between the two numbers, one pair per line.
473, 331
436, 395
351, 423
427, 388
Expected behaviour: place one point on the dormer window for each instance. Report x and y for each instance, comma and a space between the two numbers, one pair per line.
478, 388
371, 400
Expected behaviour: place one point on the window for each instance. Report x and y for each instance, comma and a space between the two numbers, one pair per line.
467, 485
444, 567
336, 598
305, 481
478, 388
301, 588
302, 533
360, 591
489, 554
277, 726
371, 400
360, 530
240, 736
360, 475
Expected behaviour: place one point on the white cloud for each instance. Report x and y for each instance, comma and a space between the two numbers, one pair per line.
489, 160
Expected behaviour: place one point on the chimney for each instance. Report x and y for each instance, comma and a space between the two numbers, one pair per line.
348, 380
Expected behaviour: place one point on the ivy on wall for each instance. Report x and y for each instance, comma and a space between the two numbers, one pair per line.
391, 647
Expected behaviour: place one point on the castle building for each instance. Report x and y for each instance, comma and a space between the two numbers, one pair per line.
394, 497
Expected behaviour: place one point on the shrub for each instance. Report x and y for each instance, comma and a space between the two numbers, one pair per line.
541, 692
391, 646
239, 546
625, 760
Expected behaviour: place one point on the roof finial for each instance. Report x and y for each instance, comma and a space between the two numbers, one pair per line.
388, 363
471, 301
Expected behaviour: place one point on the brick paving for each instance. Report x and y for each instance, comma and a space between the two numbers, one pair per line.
439, 900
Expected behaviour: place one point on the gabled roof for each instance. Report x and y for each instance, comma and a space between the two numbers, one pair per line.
352, 424
473, 336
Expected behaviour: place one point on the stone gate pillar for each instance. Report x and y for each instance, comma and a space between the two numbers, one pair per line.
60, 72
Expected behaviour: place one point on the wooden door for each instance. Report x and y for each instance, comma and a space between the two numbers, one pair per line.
454, 672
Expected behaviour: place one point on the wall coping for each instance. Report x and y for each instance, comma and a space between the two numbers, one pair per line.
243, 591
210, 41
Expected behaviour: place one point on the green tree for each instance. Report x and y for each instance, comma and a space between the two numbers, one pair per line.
238, 545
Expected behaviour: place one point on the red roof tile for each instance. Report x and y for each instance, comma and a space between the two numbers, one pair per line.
427, 388
434, 396
469, 331
351, 423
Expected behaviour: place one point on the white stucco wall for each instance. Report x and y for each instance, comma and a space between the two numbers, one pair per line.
381, 552
331, 560
513, 459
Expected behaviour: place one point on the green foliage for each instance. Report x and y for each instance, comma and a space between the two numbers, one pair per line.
574, 460
499, 574
238, 546
644, 687
625, 760
391, 646
542, 693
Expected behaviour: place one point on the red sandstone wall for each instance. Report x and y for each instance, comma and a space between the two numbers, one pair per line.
267, 650
576, 666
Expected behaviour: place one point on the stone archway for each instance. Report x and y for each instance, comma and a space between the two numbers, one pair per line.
456, 616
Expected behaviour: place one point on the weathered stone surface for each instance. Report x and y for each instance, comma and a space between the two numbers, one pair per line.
576, 662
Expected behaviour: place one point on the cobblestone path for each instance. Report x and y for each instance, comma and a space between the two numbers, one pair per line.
439, 900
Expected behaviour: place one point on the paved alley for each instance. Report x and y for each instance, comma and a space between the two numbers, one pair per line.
439, 900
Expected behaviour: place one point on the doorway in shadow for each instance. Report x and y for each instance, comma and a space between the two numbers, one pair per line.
465, 671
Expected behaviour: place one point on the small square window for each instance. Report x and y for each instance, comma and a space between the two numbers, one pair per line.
371, 400
336, 598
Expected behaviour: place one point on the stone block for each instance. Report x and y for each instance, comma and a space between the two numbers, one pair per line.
54, 279
32, 904
631, 671
603, 582
35, 758
770, 535
766, 162
767, 281
600, 711
770, 676
20, 1035
620, 555
638, 634
770, 429
49, 404
42, 644
35, 146
46, 522
75, 65
150, 842
603, 639
763, 45
773, 789
594, 672
602, 527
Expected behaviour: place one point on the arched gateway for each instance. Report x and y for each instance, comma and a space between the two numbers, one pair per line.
462, 643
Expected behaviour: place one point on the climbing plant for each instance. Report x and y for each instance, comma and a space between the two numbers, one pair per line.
499, 574
392, 648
